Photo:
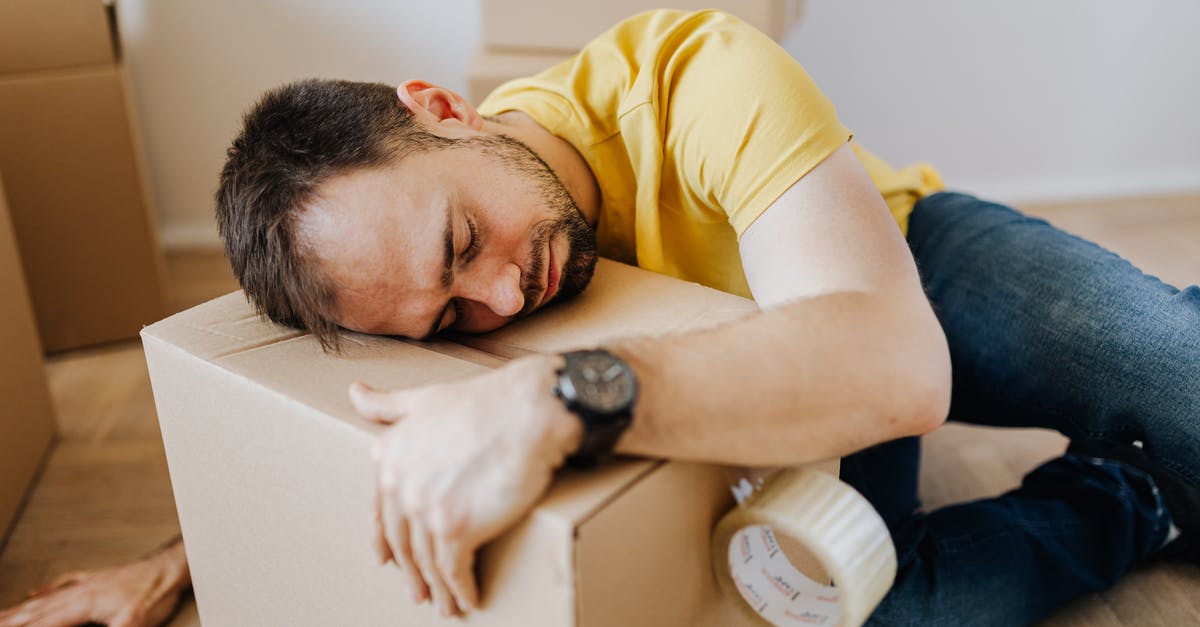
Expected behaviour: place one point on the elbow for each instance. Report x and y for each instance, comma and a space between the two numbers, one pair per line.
928, 378
931, 404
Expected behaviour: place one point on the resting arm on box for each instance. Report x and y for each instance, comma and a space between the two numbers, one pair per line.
848, 352
846, 355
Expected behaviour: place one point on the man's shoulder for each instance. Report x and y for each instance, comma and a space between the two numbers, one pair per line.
662, 24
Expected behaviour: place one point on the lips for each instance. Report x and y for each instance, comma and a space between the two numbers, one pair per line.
551, 276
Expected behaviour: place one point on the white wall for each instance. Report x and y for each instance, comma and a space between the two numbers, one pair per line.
1022, 99
1018, 100
197, 65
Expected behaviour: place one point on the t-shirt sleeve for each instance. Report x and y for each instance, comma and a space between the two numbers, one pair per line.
743, 119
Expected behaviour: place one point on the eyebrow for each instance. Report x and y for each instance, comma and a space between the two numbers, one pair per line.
447, 270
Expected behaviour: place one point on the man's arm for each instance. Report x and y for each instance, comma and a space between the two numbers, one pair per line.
847, 354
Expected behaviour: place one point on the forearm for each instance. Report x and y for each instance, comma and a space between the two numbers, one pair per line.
807, 381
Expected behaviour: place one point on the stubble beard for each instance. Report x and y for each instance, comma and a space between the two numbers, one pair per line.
580, 264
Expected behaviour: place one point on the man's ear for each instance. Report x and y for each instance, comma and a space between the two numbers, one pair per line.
443, 104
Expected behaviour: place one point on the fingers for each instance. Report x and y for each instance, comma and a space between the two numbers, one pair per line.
434, 566
52, 610
392, 531
383, 407
382, 550
422, 545
64, 579
455, 563
398, 536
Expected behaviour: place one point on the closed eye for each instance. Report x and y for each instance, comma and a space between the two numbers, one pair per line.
472, 244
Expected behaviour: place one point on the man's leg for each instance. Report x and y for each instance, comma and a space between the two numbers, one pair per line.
1075, 525
1049, 330
1045, 330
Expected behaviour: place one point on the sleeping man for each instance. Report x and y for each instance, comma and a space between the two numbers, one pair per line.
692, 145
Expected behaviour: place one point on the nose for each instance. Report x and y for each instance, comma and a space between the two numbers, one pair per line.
499, 290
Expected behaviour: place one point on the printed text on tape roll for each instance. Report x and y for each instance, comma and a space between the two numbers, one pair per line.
809, 517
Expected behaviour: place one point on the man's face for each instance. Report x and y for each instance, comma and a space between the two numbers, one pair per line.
468, 238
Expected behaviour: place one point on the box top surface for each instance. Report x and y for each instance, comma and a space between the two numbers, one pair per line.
622, 301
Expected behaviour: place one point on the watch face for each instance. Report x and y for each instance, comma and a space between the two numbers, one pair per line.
602, 383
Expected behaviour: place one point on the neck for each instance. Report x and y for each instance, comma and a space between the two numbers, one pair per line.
566, 162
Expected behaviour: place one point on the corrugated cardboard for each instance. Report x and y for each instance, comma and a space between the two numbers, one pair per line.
567, 26
26, 413
79, 205
54, 34
273, 482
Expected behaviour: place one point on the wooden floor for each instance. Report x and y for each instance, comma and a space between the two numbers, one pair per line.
104, 495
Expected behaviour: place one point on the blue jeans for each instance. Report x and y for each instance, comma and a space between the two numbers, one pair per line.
1045, 330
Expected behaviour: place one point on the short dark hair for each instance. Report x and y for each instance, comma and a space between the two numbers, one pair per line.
294, 138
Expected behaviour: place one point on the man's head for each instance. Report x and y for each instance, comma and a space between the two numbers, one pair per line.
395, 212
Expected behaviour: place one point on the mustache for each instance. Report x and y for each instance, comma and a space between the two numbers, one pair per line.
531, 281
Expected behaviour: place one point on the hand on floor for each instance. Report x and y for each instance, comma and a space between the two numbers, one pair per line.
143, 593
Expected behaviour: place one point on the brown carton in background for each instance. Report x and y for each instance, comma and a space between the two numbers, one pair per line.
53, 34
272, 476
567, 26
26, 412
79, 205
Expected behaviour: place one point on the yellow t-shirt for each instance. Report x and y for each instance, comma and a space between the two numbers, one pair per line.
693, 124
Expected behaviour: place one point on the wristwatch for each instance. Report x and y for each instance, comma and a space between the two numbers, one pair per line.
600, 389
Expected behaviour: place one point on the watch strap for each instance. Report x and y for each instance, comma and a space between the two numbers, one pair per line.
599, 439
601, 431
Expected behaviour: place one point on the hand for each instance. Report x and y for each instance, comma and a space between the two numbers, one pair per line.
461, 463
139, 594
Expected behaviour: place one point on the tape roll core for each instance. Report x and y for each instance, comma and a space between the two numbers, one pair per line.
848, 562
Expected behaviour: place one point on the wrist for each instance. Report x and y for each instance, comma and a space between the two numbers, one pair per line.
171, 562
559, 430
600, 389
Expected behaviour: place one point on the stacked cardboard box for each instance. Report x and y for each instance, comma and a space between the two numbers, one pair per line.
524, 37
74, 173
26, 414
272, 474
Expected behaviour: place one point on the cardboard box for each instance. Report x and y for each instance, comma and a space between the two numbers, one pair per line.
272, 476
567, 26
79, 205
490, 69
26, 412
54, 34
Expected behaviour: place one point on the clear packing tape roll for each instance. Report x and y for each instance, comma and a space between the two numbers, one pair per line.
802, 548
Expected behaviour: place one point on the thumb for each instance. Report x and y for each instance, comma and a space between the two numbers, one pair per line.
380, 406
